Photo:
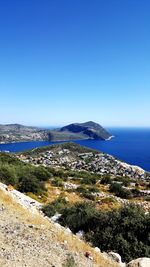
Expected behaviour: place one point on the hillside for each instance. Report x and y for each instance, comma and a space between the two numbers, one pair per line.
75, 131
29, 239
90, 192
18, 132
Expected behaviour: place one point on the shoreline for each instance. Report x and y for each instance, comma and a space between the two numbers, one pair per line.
109, 138
5, 148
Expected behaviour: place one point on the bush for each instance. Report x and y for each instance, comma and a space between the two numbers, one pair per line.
8, 174
30, 184
124, 180
136, 192
77, 216
87, 192
126, 230
147, 198
42, 173
106, 180
120, 191
93, 189
57, 182
56, 206
89, 180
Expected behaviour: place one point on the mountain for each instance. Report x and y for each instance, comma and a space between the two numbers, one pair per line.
74, 131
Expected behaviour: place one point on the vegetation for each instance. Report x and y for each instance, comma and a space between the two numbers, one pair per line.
56, 206
30, 184
78, 216
106, 180
66, 145
126, 230
24, 177
120, 191
57, 182
124, 180
89, 180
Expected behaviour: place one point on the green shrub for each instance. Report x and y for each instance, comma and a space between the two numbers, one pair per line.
30, 184
6, 158
57, 182
8, 174
106, 180
120, 191
124, 180
77, 216
56, 206
93, 189
125, 230
89, 180
147, 198
82, 189
42, 173
136, 192
87, 192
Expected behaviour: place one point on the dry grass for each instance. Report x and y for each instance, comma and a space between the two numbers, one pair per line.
73, 243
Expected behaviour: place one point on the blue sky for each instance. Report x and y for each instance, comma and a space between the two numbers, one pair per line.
64, 61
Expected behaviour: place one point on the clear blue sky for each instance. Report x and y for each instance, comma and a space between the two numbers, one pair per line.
64, 61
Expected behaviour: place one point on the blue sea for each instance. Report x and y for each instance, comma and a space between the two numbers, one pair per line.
131, 145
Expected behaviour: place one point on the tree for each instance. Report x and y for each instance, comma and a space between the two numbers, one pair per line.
30, 184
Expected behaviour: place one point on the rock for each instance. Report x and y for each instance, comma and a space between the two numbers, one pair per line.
80, 234
97, 249
88, 255
140, 262
68, 231
56, 217
115, 256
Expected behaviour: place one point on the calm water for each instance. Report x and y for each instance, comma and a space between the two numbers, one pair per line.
130, 145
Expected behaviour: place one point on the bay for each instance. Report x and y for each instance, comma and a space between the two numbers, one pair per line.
131, 145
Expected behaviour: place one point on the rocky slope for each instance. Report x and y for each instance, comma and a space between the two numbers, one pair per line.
31, 240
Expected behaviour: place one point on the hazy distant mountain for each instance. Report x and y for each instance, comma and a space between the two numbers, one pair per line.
74, 131
18, 132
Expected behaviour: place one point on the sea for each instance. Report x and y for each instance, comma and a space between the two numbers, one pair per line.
131, 145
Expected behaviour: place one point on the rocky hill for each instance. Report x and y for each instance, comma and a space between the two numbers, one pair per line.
32, 240
79, 189
75, 131
29, 239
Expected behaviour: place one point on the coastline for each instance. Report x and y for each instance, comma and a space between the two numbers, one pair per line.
109, 138
131, 148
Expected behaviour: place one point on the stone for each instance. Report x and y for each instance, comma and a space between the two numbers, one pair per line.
97, 249
115, 256
140, 262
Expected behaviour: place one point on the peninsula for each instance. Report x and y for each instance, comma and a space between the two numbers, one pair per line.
74, 131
